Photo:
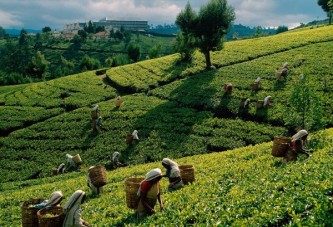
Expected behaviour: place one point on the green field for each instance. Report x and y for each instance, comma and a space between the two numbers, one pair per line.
180, 110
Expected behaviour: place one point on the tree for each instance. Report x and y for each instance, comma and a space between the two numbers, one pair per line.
281, 28
88, 63
306, 107
46, 29
185, 40
38, 66
327, 6
83, 34
154, 52
133, 52
209, 26
3, 33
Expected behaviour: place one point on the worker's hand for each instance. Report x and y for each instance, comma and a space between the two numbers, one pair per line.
152, 211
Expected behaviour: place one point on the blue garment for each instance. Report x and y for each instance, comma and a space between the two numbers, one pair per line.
41, 205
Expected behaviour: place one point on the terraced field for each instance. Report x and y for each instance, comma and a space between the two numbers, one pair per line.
178, 109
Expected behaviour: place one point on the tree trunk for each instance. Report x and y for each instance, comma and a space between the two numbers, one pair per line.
207, 57
330, 18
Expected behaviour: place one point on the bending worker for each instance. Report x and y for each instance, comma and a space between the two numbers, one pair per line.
173, 173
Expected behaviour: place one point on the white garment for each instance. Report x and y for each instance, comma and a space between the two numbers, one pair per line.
96, 108
266, 100
299, 134
115, 156
72, 210
135, 135
54, 199
246, 103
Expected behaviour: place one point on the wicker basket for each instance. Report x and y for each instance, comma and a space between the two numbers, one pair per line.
129, 138
54, 172
187, 173
77, 159
132, 186
281, 145
118, 101
260, 104
51, 217
97, 176
29, 214
228, 88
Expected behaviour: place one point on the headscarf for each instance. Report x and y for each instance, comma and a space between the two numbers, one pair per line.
55, 199
72, 207
115, 155
247, 101
135, 135
69, 158
299, 134
95, 108
173, 167
152, 174
257, 80
285, 65
266, 100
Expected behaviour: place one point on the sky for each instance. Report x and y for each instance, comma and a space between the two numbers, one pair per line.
36, 14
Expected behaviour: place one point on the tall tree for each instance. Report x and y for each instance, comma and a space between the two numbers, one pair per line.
38, 66
327, 6
185, 41
208, 27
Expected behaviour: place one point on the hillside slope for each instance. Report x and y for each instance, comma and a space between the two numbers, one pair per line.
178, 109
241, 187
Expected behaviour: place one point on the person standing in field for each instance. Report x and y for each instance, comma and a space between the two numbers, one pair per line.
173, 173
149, 193
94, 116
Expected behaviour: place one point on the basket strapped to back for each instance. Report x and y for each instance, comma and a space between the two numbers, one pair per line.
29, 213
97, 176
187, 173
51, 216
132, 186
281, 145
77, 159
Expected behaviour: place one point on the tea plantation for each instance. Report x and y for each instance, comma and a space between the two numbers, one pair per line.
241, 187
180, 110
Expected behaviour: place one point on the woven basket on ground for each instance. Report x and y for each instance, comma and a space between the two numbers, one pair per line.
77, 159
132, 186
281, 145
51, 217
29, 214
187, 173
97, 176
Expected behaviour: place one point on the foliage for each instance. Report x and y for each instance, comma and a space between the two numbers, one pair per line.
208, 27
241, 187
326, 5
38, 66
134, 52
281, 28
88, 63
306, 107
46, 29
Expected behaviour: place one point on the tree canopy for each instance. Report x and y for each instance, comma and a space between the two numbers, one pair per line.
327, 6
208, 27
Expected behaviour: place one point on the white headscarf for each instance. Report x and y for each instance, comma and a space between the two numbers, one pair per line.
266, 100
257, 80
72, 207
152, 174
247, 101
174, 169
115, 155
69, 158
54, 199
285, 65
299, 134
135, 135
95, 108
